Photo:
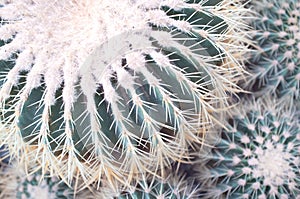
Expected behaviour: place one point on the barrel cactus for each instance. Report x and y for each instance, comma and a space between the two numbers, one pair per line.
112, 89
275, 67
259, 156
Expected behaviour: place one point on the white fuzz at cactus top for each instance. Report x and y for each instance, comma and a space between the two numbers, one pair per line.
133, 108
54, 38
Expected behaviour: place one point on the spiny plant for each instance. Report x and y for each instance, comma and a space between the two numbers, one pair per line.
172, 187
85, 98
259, 156
275, 67
16, 184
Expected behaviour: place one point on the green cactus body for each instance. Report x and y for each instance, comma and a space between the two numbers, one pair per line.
88, 109
275, 67
259, 156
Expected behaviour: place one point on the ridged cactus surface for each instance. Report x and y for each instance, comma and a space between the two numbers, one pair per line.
111, 89
275, 67
259, 156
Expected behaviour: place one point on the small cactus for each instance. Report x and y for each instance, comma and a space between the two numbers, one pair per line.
258, 157
275, 67
16, 184
83, 109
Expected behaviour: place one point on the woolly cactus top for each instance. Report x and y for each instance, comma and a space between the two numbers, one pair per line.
276, 67
53, 39
259, 156
81, 110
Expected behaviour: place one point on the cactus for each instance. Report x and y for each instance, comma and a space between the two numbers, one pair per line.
82, 108
16, 184
275, 67
172, 187
259, 156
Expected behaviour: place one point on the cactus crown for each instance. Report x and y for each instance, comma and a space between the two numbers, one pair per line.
276, 67
259, 156
80, 109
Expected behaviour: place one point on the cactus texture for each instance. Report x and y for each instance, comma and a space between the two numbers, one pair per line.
82, 108
259, 156
172, 187
276, 67
16, 184
4, 155
4, 151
